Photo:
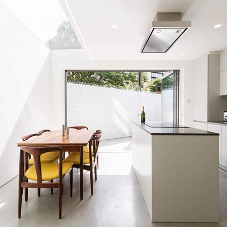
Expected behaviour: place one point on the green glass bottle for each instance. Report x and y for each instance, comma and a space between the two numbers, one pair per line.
143, 116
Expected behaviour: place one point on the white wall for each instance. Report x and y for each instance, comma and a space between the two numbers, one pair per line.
24, 90
78, 60
109, 109
167, 105
201, 88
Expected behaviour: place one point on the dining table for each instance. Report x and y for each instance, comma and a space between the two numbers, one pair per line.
75, 141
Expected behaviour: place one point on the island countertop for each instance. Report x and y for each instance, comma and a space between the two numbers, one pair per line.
173, 131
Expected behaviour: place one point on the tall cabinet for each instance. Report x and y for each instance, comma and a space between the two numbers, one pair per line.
210, 97
208, 104
223, 73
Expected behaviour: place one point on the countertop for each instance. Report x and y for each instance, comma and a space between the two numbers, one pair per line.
213, 122
218, 122
174, 131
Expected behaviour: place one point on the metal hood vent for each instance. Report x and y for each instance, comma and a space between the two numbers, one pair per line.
167, 28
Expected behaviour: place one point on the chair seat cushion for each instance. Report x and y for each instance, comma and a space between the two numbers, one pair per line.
86, 149
76, 149
75, 158
49, 171
48, 157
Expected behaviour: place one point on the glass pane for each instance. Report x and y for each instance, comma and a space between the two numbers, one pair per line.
46, 20
122, 80
167, 98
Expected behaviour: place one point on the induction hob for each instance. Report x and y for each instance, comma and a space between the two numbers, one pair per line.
163, 125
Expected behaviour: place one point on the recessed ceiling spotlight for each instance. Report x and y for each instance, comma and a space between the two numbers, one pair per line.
217, 26
181, 54
114, 26
114, 54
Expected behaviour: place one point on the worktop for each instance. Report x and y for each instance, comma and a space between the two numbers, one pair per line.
173, 131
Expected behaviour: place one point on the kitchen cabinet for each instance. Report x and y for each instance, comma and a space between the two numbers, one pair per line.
208, 104
224, 146
223, 73
223, 82
218, 129
223, 60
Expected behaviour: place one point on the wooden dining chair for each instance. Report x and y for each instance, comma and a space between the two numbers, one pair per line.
40, 172
49, 157
79, 127
43, 131
90, 158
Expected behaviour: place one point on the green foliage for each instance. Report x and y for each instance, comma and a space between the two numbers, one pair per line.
167, 82
155, 85
123, 80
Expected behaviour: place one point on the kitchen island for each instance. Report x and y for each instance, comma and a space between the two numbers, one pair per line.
178, 172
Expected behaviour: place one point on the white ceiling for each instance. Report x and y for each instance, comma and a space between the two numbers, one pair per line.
93, 20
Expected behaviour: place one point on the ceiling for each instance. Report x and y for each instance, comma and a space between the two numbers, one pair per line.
93, 20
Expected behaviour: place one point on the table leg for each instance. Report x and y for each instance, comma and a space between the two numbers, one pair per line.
81, 171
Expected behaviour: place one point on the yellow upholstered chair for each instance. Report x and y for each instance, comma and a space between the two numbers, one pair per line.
40, 172
48, 157
90, 156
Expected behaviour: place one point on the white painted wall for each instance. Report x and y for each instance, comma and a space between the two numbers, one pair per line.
24, 90
109, 109
78, 60
167, 105
201, 88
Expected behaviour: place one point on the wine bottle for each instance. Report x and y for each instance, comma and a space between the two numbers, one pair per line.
143, 116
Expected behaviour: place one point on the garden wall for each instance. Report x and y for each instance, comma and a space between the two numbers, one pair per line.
109, 109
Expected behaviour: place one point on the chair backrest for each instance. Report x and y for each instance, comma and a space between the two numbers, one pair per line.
43, 131
79, 127
24, 138
96, 139
36, 152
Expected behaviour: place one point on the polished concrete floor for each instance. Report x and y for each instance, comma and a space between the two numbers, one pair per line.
117, 199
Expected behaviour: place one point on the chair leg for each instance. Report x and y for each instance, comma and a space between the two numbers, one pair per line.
91, 178
60, 200
71, 182
20, 189
97, 162
19, 201
39, 192
51, 190
26, 194
95, 172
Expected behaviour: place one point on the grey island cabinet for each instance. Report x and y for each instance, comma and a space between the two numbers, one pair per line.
178, 172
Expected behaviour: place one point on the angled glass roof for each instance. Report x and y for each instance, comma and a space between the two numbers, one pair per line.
46, 20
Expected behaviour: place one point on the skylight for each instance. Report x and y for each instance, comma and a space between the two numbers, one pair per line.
46, 20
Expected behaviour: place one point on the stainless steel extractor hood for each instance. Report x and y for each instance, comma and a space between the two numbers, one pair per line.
167, 28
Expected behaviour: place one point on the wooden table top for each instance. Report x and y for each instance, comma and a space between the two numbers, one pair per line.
55, 138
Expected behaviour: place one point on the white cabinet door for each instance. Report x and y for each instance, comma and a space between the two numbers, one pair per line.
223, 82
217, 129
200, 90
223, 60
224, 145
200, 125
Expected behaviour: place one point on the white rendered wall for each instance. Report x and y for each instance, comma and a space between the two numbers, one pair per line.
78, 60
167, 106
109, 109
24, 90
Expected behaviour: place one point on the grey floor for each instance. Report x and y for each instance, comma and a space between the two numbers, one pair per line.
117, 199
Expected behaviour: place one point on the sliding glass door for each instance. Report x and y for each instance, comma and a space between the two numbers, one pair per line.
170, 97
